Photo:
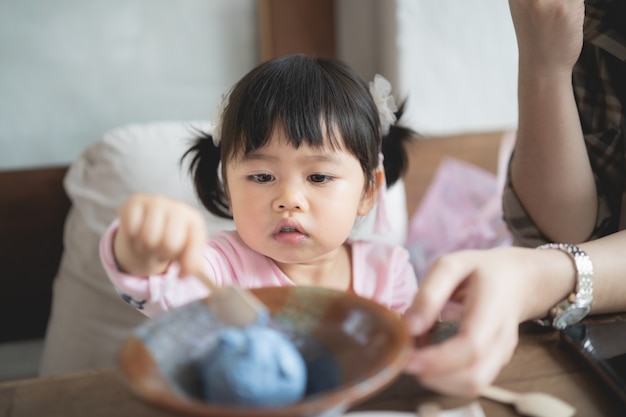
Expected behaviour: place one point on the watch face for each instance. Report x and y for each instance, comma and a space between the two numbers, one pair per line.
570, 316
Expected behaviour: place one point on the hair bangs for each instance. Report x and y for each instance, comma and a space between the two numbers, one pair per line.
313, 101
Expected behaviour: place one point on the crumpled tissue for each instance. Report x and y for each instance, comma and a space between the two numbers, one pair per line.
461, 209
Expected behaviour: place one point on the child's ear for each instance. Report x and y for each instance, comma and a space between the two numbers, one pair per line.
369, 198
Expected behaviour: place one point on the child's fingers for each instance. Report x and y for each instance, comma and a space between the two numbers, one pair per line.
131, 215
180, 232
175, 235
153, 230
164, 230
191, 255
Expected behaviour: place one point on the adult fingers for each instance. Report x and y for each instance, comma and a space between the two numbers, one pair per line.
465, 382
460, 366
442, 280
463, 350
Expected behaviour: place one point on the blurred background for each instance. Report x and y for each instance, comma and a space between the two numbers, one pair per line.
71, 70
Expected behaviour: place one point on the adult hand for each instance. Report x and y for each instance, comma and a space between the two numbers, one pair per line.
495, 289
155, 231
549, 32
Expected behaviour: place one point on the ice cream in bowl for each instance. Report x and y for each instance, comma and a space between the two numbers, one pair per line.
318, 352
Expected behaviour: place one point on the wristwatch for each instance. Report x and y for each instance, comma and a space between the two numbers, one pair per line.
576, 306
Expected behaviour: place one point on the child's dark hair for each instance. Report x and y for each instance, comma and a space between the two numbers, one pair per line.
309, 98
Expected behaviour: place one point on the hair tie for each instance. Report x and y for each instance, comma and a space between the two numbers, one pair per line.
380, 89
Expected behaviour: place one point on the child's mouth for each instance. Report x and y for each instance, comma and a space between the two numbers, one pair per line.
290, 235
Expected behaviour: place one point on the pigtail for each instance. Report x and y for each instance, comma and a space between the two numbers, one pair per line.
394, 149
205, 172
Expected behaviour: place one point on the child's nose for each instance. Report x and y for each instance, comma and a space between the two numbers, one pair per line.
290, 198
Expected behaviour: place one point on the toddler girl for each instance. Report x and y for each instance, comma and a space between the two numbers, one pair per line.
295, 158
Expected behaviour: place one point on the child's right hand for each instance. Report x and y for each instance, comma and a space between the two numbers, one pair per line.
155, 231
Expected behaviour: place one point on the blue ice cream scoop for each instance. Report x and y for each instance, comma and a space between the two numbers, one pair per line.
253, 366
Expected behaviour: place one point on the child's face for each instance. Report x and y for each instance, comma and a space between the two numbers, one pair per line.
296, 205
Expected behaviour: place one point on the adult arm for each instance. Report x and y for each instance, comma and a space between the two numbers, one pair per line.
550, 170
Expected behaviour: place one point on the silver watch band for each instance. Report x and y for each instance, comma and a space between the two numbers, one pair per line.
577, 305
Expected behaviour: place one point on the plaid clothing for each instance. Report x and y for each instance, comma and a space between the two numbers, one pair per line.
599, 82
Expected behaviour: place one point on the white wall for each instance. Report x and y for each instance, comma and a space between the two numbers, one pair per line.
72, 69
455, 60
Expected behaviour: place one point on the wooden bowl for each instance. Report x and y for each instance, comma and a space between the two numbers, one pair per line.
353, 348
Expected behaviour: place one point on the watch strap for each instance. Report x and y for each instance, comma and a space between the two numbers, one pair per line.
582, 296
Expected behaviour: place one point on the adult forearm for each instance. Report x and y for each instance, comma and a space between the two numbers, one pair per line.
609, 264
550, 169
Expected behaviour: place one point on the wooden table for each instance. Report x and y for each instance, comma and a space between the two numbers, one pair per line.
540, 363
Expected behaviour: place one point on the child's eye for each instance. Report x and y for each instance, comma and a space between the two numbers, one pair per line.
320, 178
261, 178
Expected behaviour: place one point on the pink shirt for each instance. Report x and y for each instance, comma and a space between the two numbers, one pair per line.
380, 271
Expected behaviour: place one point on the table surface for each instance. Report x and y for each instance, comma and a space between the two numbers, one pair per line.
540, 363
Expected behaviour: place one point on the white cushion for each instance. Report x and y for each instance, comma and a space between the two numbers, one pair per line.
88, 319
